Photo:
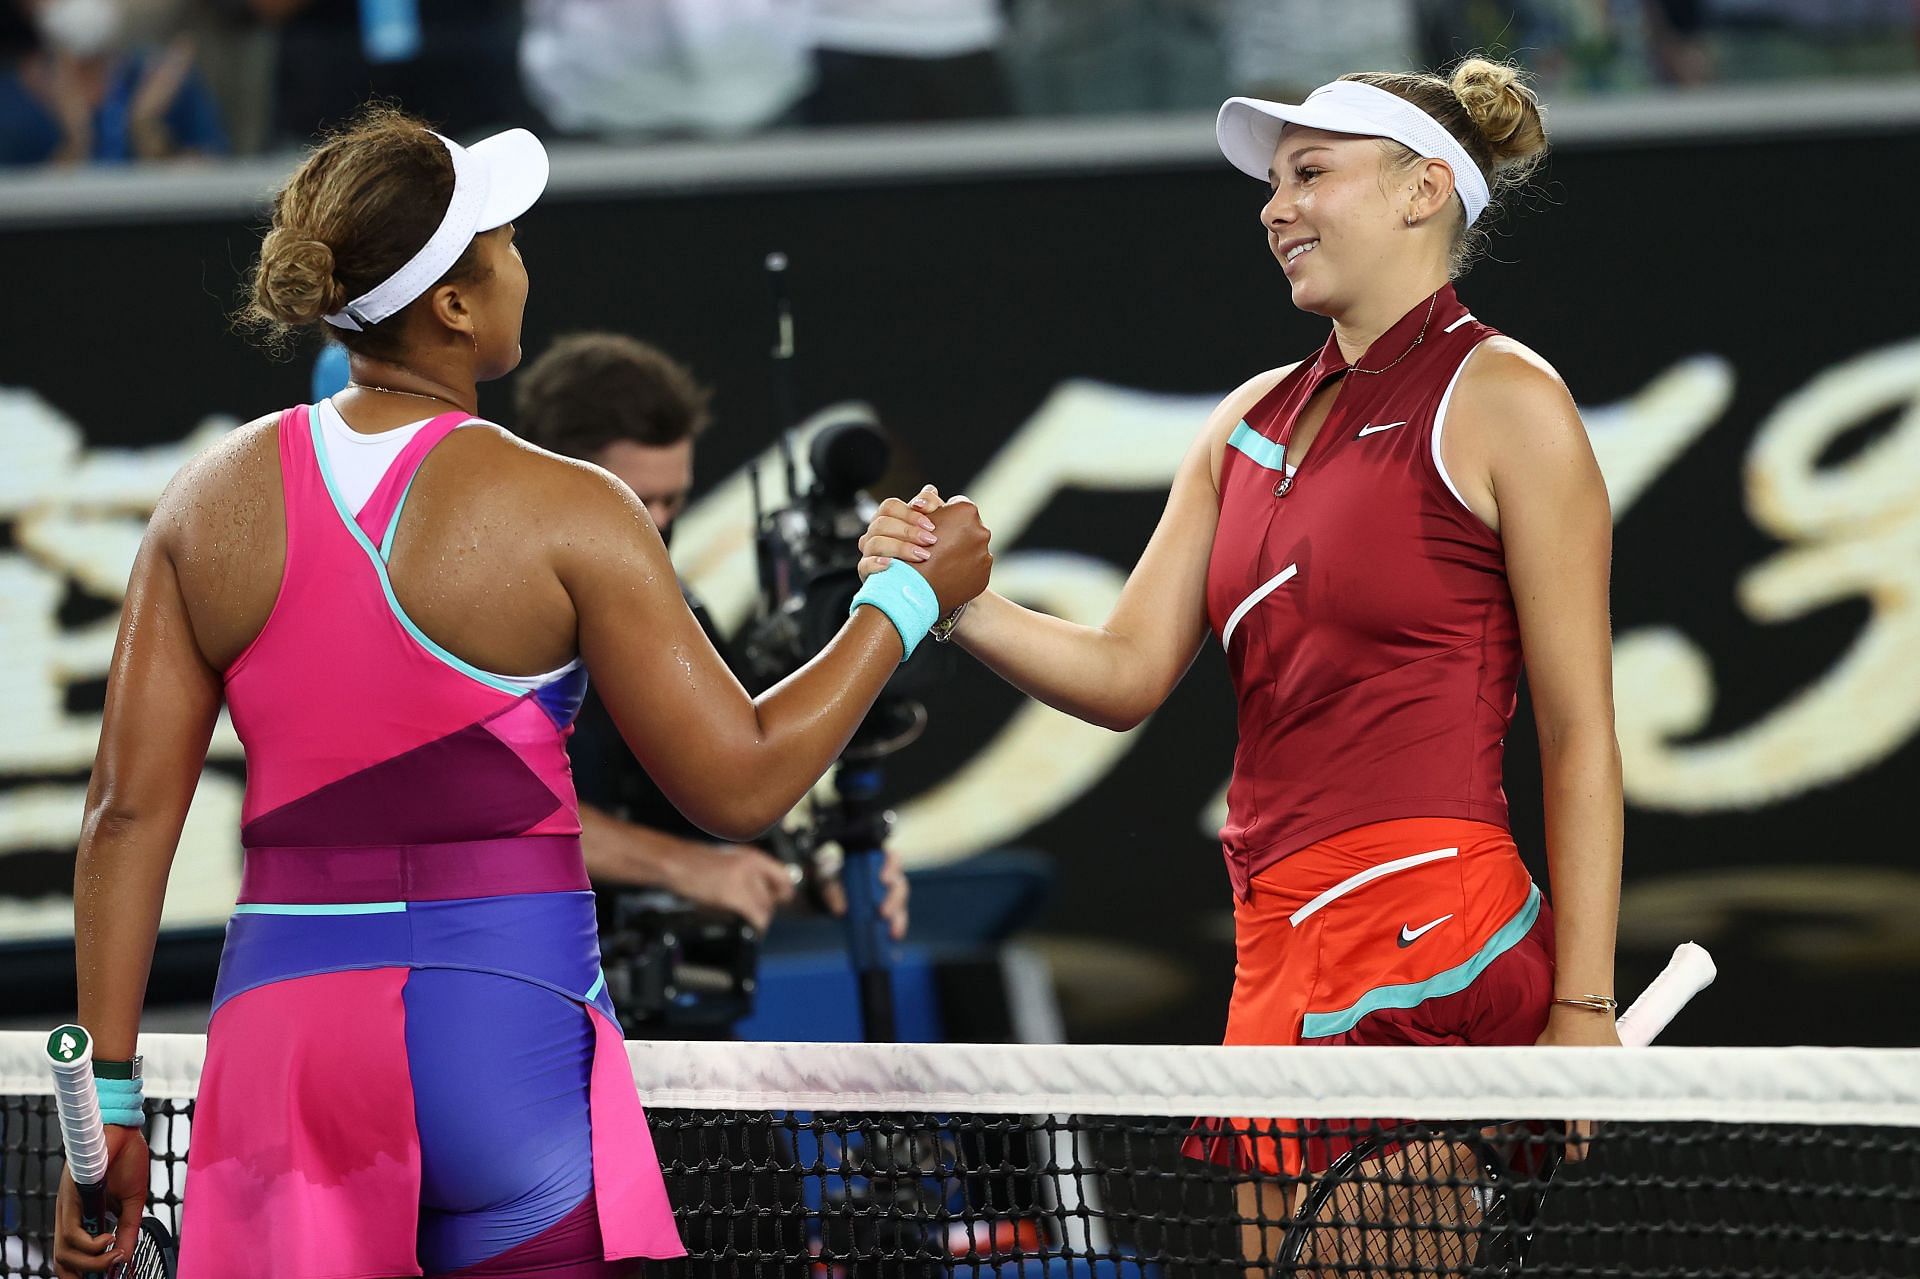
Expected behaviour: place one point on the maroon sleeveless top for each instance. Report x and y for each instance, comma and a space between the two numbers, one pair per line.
1364, 609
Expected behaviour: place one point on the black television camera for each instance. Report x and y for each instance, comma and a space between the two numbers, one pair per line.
670, 965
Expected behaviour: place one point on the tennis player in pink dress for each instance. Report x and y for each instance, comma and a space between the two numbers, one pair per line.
413, 1066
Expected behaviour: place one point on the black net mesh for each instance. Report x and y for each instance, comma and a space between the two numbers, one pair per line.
820, 1195
30, 1164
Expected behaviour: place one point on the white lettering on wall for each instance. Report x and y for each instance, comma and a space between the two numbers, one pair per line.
1850, 531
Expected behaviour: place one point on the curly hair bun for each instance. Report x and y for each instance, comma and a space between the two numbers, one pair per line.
295, 285
1503, 108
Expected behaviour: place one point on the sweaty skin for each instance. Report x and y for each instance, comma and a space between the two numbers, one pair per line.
513, 559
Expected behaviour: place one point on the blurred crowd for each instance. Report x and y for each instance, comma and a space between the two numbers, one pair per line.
118, 81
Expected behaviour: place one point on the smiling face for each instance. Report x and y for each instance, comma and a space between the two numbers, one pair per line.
1332, 220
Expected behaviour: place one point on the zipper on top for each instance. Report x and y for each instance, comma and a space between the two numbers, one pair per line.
1288, 482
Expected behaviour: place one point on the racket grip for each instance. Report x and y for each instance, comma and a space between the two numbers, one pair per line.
93, 1206
1690, 971
78, 1104
70, 1056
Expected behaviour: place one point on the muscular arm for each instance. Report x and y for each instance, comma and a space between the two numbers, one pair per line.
1519, 422
1118, 673
733, 764
162, 700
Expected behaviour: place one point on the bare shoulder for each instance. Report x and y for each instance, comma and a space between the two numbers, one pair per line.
1508, 378
495, 455
1513, 417
583, 506
232, 476
224, 462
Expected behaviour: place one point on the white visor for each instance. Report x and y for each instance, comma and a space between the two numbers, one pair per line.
494, 182
1249, 132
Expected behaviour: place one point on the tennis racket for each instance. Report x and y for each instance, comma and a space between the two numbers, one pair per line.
70, 1054
1487, 1188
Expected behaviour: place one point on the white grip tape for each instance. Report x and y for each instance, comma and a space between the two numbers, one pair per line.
1689, 972
81, 1131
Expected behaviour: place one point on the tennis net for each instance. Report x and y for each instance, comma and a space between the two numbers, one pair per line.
1074, 1162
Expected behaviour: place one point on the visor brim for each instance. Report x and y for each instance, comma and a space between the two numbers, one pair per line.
516, 175
1248, 129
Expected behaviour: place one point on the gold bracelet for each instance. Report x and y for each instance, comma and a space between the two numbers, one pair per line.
942, 630
1592, 1003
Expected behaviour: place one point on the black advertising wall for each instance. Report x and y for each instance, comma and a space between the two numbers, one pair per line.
1736, 319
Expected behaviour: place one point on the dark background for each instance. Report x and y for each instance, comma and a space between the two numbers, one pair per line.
956, 307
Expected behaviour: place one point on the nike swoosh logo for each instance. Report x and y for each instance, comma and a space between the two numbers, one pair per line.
1370, 430
1408, 936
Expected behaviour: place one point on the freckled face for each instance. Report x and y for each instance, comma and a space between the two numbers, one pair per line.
1329, 221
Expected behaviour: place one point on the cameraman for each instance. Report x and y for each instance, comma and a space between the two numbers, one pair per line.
630, 408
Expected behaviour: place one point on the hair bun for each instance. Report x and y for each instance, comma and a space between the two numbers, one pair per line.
1503, 108
294, 284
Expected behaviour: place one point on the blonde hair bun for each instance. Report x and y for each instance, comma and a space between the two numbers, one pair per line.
1503, 109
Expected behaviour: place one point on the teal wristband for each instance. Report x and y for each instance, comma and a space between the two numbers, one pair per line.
903, 595
121, 1101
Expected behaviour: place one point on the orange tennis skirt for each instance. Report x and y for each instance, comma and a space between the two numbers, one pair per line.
1419, 931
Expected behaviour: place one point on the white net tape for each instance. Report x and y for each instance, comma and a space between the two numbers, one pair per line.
1874, 1086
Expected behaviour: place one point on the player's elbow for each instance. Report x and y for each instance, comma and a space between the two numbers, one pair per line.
114, 826
1135, 679
1131, 698
735, 789
1579, 742
734, 818
1118, 709
1119, 716
730, 822
113, 812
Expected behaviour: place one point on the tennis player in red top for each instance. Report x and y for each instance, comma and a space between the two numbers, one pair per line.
1379, 536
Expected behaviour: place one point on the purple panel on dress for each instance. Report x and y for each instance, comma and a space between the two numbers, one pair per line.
548, 938
480, 1044
561, 698
465, 786
269, 948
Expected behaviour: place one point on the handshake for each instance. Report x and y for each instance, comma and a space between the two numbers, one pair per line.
942, 539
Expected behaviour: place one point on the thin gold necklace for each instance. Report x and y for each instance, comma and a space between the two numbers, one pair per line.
422, 395
1421, 337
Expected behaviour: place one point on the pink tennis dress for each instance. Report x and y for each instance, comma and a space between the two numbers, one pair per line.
413, 1066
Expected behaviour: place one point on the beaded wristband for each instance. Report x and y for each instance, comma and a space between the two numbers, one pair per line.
904, 596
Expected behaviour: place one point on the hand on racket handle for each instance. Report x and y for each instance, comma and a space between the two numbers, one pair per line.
1690, 971
1578, 1028
75, 1251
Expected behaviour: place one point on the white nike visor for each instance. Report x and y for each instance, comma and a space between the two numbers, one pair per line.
494, 182
1248, 130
